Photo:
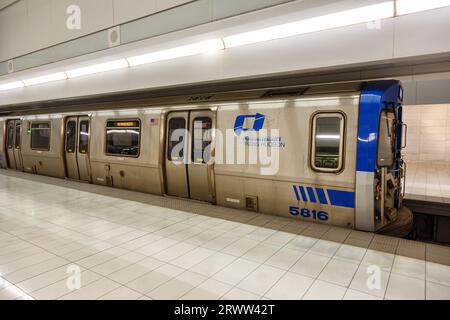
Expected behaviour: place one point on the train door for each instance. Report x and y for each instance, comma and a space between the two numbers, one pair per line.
188, 150
18, 144
77, 147
14, 144
84, 166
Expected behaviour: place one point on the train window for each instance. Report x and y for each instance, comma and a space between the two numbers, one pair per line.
83, 144
123, 137
201, 139
386, 139
328, 142
175, 152
71, 131
10, 139
18, 132
40, 136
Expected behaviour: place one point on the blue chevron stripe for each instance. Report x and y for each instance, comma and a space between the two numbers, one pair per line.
302, 191
296, 193
321, 196
312, 197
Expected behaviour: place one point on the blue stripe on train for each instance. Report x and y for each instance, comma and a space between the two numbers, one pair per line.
302, 191
321, 196
296, 193
312, 197
338, 198
342, 198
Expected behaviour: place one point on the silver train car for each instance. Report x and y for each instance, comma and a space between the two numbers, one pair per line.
333, 151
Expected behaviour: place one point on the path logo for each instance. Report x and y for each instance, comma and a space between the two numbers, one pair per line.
240, 123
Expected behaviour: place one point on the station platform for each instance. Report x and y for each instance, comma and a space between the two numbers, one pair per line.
428, 181
427, 195
130, 245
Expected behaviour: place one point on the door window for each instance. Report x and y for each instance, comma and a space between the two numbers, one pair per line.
10, 140
386, 139
83, 145
18, 132
201, 139
176, 136
71, 129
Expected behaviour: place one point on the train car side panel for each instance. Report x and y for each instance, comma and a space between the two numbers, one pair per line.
293, 188
138, 170
42, 143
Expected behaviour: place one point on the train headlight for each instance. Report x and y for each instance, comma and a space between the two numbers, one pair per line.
400, 94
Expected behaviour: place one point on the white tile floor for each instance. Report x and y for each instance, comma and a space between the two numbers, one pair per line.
150, 247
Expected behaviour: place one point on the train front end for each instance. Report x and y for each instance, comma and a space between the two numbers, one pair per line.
380, 168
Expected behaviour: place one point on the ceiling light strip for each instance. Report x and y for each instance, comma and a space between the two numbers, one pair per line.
330, 21
178, 52
413, 6
45, 79
369, 13
11, 85
98, 68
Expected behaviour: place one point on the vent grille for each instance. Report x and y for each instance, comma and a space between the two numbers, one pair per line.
291, 92
109, 181
251, 203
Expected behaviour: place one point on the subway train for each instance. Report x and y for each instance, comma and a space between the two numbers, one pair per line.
328, 153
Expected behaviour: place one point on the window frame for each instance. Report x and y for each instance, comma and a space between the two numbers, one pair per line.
106, 137
10, 144
75, 141
378, 138
89, 135
169, 153
49, 134
193, 141
343, 131
16, 125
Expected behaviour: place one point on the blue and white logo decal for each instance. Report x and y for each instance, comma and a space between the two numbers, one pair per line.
258, 123
270, 139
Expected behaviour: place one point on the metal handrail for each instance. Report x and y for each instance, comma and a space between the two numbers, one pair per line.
404, 125
404, 178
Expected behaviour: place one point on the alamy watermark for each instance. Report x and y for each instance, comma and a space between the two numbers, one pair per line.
73, 21
73, 281
215, 146
373, 281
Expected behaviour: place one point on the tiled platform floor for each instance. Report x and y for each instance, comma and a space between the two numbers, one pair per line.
151, 247
428, 181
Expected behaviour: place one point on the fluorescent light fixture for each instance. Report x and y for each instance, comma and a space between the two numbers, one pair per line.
11, 85
47, 78
374, 12
328, 136
97, 68
330, 21
177, 52
411, 6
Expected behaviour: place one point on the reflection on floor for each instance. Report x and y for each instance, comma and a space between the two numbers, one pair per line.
151, 247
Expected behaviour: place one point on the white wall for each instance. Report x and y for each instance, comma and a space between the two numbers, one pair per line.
408, 37
428, 135
30, 25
